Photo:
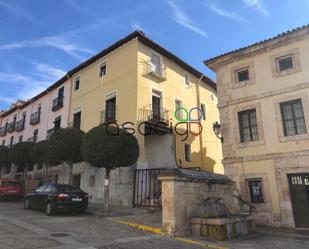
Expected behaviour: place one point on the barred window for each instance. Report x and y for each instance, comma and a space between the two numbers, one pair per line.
243, 75
248, 126
256, 191
285, 63
293, 119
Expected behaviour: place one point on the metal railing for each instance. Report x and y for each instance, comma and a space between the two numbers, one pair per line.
35, 118
148, 113
11, 126
155, 69
147, 191
3, 130
57, 103
20, 125
108, 115
251, 207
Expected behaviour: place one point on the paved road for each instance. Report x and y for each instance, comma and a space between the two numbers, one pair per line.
27, 229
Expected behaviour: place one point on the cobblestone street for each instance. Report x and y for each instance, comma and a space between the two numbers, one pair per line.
21, 229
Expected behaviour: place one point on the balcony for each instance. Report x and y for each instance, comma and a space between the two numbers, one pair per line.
11, 127
20, 125
3, 131
49, 133
107, 116
57, 103
156, 118
157, 71
35, 118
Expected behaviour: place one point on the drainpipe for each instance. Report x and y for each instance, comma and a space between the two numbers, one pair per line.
70, 96
199, 106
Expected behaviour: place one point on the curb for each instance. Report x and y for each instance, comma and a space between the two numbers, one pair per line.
157, 230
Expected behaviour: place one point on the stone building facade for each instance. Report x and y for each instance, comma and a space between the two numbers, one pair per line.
263, 99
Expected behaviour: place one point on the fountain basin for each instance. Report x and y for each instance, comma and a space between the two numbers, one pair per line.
222, 228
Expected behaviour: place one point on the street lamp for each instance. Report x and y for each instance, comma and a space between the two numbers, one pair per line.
217, 130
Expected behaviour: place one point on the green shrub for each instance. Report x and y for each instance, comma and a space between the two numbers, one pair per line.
101, 149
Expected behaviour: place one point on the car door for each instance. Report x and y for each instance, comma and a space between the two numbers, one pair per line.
43, 196
34, 197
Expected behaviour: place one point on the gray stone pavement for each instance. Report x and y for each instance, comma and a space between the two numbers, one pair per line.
24, 229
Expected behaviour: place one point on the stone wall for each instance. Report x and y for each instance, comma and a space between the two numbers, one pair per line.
183, 195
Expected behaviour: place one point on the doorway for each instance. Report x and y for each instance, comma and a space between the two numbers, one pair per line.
299, 186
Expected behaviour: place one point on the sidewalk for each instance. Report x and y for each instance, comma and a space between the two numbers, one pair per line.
144, 216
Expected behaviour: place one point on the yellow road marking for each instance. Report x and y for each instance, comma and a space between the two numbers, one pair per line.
157, 230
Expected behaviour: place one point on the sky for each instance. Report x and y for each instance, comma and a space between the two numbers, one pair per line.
40, 40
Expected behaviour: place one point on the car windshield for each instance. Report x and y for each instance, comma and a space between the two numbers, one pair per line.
68, 188
9, 184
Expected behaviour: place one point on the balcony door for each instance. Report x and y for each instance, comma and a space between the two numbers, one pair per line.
77, 120
110, 108
156, 105
156, 62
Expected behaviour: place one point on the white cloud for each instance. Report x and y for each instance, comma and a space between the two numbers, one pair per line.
224, 13
29, 85
184, 20
256, 4
59, 42
17, 11
73, 4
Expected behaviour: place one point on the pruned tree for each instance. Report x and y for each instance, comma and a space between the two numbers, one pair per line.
20, 155
65, 146
4, 157
109, 147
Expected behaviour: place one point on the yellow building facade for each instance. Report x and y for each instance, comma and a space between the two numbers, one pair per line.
263, 93
136, 80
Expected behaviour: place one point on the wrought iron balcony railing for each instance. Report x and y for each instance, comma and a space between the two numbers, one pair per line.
57, 103
35, 118
153, 114
20, 125
157, 70
11, 126
3, 131
108, 115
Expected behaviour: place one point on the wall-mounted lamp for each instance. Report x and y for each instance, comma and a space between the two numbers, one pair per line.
217, 130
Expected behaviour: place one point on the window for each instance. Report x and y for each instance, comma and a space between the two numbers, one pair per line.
102, 69
57, 123
11, 142
77, 120
20, 139
293, 119
188, 155
157, 105
256, 193
3, 143
156, 63
242, 75
110, 108
76, 84
248, 126
203, 109
187, 79
35, 135
178, 109
285, 63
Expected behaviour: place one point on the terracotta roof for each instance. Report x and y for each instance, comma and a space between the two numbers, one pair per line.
136, 34
208, 61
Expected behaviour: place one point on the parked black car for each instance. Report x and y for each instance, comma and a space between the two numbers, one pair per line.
57, 197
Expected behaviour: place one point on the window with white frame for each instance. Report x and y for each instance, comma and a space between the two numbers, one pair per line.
187, 79
188, 153
102, 69
178, 109
76, 84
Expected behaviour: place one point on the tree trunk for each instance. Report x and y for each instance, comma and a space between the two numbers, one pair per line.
106, 191
25, 176
70, 173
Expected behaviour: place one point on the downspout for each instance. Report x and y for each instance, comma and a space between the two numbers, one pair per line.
199, 106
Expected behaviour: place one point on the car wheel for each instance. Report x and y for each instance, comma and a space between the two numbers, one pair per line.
49, 209
26, 204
